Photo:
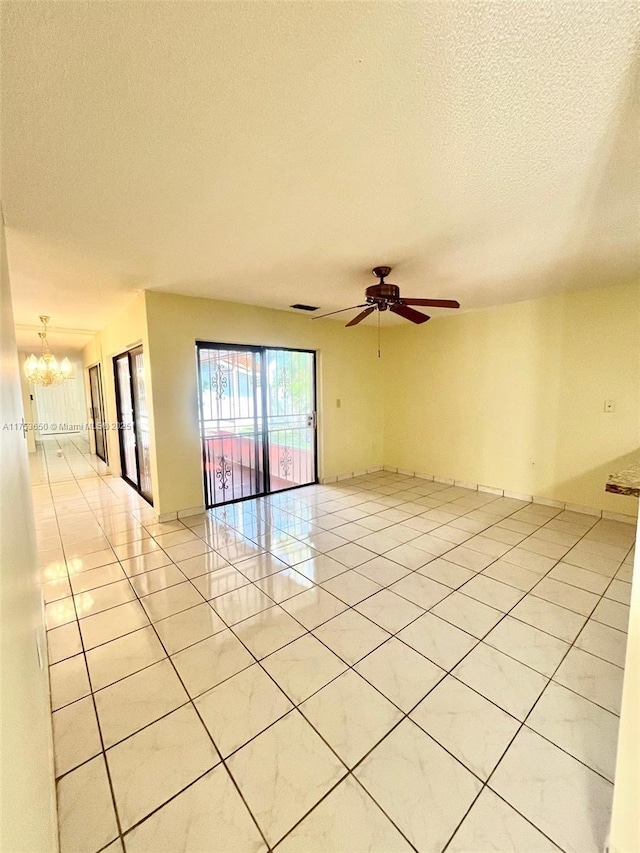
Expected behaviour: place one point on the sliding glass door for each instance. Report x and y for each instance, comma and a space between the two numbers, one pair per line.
97, 412
257, 420
133, 421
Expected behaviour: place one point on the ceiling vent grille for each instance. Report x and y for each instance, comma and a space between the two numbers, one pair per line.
300, 307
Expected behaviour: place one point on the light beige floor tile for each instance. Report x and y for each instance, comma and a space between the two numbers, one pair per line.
347, 819
188, 627
382, 571
135, 701
75, 735
188, 549
351, 636
603, 642
103, 598
469, 615
351, 716
135, 549
157, 579
169, 601
547, 786
260, 566
285, 584
102, 627
58, 613
473, 729
549, 617
593, 678
446, 573
240, 604
157, 762
320, 568
97, 577
241, 707
420, 590
122, 657
145, 563
537, 649
208, 815
399, 672
351, 587
313, 607
351, 555
55, 590
68, 681
582, 578
63, 642
426, 807
438, 640
390, 611
513, 686
202, 564
86, 818
492, 826
302, 667
493, 593
613, 614
578, 600
511, 575
619, 591
283, 773
268, 631
582, 729
219, 582
211, 661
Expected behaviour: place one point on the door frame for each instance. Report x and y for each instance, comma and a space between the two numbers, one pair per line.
261, 348
129, 355
98, 368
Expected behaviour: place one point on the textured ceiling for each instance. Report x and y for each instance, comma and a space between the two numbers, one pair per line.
272, 153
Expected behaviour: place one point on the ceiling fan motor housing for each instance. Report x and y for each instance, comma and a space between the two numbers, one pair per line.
383, 292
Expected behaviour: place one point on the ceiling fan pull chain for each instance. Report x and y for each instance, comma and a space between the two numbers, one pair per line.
378, 334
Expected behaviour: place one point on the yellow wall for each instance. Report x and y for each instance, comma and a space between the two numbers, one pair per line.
127, 329
349, 370
513, 396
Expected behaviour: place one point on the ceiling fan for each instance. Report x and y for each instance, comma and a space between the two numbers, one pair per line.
384, 296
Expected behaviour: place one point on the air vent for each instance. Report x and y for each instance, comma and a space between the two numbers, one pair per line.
304, 307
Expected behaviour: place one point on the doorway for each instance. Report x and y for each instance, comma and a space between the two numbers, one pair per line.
97, 413
257, 410
133, 421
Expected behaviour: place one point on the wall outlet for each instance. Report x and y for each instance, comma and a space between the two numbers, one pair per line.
609, 405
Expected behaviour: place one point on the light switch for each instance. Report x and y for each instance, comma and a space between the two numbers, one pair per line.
609, 405
338, 403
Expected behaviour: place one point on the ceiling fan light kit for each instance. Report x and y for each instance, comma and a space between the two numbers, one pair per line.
386, 297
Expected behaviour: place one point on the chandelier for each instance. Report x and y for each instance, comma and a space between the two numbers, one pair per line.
45, 370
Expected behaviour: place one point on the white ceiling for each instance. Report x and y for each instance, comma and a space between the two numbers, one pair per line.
272, 153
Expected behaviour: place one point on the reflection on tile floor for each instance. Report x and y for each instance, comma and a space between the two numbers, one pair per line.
385, 663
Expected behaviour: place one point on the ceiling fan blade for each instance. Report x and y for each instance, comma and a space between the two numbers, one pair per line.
433, 303
409, 313
361, 316
339, 311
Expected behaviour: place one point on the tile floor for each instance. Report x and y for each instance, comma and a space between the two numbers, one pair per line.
382, 664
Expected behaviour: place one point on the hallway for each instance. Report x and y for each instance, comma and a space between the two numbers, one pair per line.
374, 664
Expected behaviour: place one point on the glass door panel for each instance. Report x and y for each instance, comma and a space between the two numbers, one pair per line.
133, 417
257, 420
290, 409
126, 421
141, 421
231, 422
97, 412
